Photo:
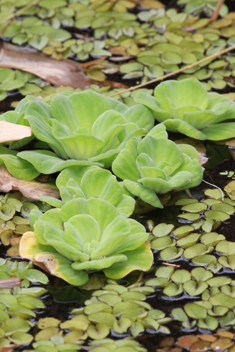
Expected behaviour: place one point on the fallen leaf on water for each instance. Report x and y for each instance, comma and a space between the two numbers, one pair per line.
12, 132
30, 189
186, 341
225, 333
222, 344
59, 73
207, 337
10, 283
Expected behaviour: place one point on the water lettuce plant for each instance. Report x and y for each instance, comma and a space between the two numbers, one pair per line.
157, 166
81, 128
87, 235
186, 107
91, 182
86, 125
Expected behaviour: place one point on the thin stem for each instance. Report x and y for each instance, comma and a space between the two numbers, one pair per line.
211, 184
211, 57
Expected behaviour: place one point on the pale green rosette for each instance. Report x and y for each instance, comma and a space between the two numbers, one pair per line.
91, 182
84, 236
157, 166
186, 107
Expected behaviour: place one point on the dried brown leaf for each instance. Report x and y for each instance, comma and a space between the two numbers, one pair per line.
60, 73
30, 189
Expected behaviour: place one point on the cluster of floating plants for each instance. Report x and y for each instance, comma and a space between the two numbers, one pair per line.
121, 309
17, 305
14, 213
152, 42
90, 229
198, 239
79, 134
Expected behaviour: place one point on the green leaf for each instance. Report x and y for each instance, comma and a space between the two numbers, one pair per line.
36, 276
59, 35
180, 93
143, 193
11, 85
38, 42
56, 4
124, 165
162, 229
19, 168
139, 259
195, 311
194, 288
47, 162
220, 131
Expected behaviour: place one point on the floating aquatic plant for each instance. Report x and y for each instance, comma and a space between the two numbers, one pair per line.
86, 182
157, 166
198, 116
87, 235
85, 127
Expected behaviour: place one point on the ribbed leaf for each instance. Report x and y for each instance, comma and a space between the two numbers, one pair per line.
124, 166
139, 259
144, 193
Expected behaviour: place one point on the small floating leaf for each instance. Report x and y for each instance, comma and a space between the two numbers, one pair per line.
162, 242
195, 207
162, 230
195, 250
194, 288
195, 311
216, 215
183, 231
173, 289
188, 240
214, 193
181, 276
189, 216
171, 253
226, 247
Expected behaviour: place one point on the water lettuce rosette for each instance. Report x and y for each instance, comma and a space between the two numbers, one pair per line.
85, 236
81, 128
157, 166
91, 182
186, 107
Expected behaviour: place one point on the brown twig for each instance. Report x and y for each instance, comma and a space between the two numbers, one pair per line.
215, 14
5, 27
211, 57
169, 264
93, 62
